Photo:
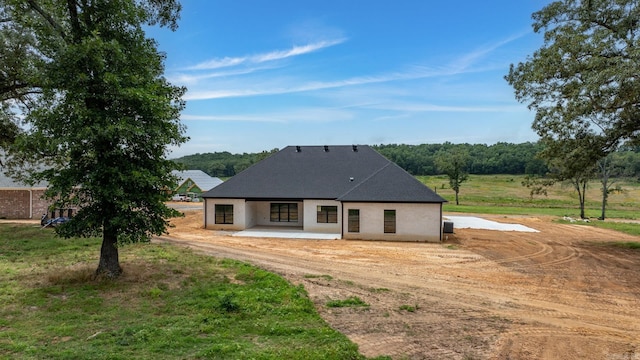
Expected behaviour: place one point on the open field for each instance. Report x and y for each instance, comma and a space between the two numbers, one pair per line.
504, 194
567, 292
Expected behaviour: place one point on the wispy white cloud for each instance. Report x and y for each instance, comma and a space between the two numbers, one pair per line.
467, 60
415, 107
265, 57
250, 89
460, 65
307, 114
191, 79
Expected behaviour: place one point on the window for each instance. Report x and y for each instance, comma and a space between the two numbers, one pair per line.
284, 212
389, 221
224, 214
354, 220
328, 214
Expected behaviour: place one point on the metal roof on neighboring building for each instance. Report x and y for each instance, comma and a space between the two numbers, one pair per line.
199, 177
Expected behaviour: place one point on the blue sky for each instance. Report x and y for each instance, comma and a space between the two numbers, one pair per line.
267, 74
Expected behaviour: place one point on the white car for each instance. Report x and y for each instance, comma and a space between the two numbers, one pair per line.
179, 197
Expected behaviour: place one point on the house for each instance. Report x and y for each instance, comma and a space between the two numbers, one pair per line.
194, 181
20, 201
350, 190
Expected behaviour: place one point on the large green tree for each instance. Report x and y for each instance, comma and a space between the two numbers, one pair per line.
99, 114
586, 76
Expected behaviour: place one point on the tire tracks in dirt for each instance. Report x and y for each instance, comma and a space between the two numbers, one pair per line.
513, 296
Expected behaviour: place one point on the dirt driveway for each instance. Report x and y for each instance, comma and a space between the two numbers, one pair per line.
556, 294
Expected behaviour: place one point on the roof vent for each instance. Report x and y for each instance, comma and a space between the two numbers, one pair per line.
298, 149
354, 148
351, 178
326, 148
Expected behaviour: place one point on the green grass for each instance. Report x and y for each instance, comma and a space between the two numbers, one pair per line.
409, 308
352, 301
634, 245
625, 227
504, 194
170, 303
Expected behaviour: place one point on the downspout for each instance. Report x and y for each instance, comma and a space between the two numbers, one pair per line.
343, 222
441, 224
205, 213
30, 203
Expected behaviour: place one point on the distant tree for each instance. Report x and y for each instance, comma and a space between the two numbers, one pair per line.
100, 114
454, 164
584, 79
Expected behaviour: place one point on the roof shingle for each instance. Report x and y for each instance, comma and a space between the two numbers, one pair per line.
344, 173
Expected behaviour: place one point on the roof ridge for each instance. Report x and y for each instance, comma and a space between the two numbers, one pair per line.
389, 162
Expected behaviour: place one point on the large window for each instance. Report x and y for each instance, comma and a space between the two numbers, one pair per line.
354, 220
224, 214
389, 221
284, 212
327, 214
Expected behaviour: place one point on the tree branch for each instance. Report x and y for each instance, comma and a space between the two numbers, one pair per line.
48, 18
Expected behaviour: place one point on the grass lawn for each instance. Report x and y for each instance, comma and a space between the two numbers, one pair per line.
505, 195
170, 303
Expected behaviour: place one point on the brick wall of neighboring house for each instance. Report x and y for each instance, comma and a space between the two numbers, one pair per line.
15, 204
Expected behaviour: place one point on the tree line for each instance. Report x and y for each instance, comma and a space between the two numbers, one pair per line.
500, 158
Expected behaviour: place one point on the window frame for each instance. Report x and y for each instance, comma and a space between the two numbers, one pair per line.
223, 210
389, 221
327, 214
291, 209
353, 220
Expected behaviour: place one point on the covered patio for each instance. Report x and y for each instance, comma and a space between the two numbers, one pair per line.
285, 232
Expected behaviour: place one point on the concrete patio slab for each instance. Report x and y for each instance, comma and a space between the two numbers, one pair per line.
286, 233
472, 222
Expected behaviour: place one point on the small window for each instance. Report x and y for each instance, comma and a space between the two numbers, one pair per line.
224, 214
284, 212
327, 214
389, 221
354, 220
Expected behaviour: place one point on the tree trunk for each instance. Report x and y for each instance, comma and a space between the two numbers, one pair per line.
605, 185
582, 190
109, 265
605, 195
457, 198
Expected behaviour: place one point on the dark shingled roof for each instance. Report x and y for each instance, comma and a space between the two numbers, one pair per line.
344, 173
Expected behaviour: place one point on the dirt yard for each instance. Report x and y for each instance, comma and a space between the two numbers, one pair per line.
556, 294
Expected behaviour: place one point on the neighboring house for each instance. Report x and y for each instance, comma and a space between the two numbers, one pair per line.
351, 190
20, 201
195, 182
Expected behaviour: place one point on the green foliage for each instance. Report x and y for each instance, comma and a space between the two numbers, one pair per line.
53, 306
537, 185
583, 80
222, 164
454, 164
352, 301
500, 158
102, 118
